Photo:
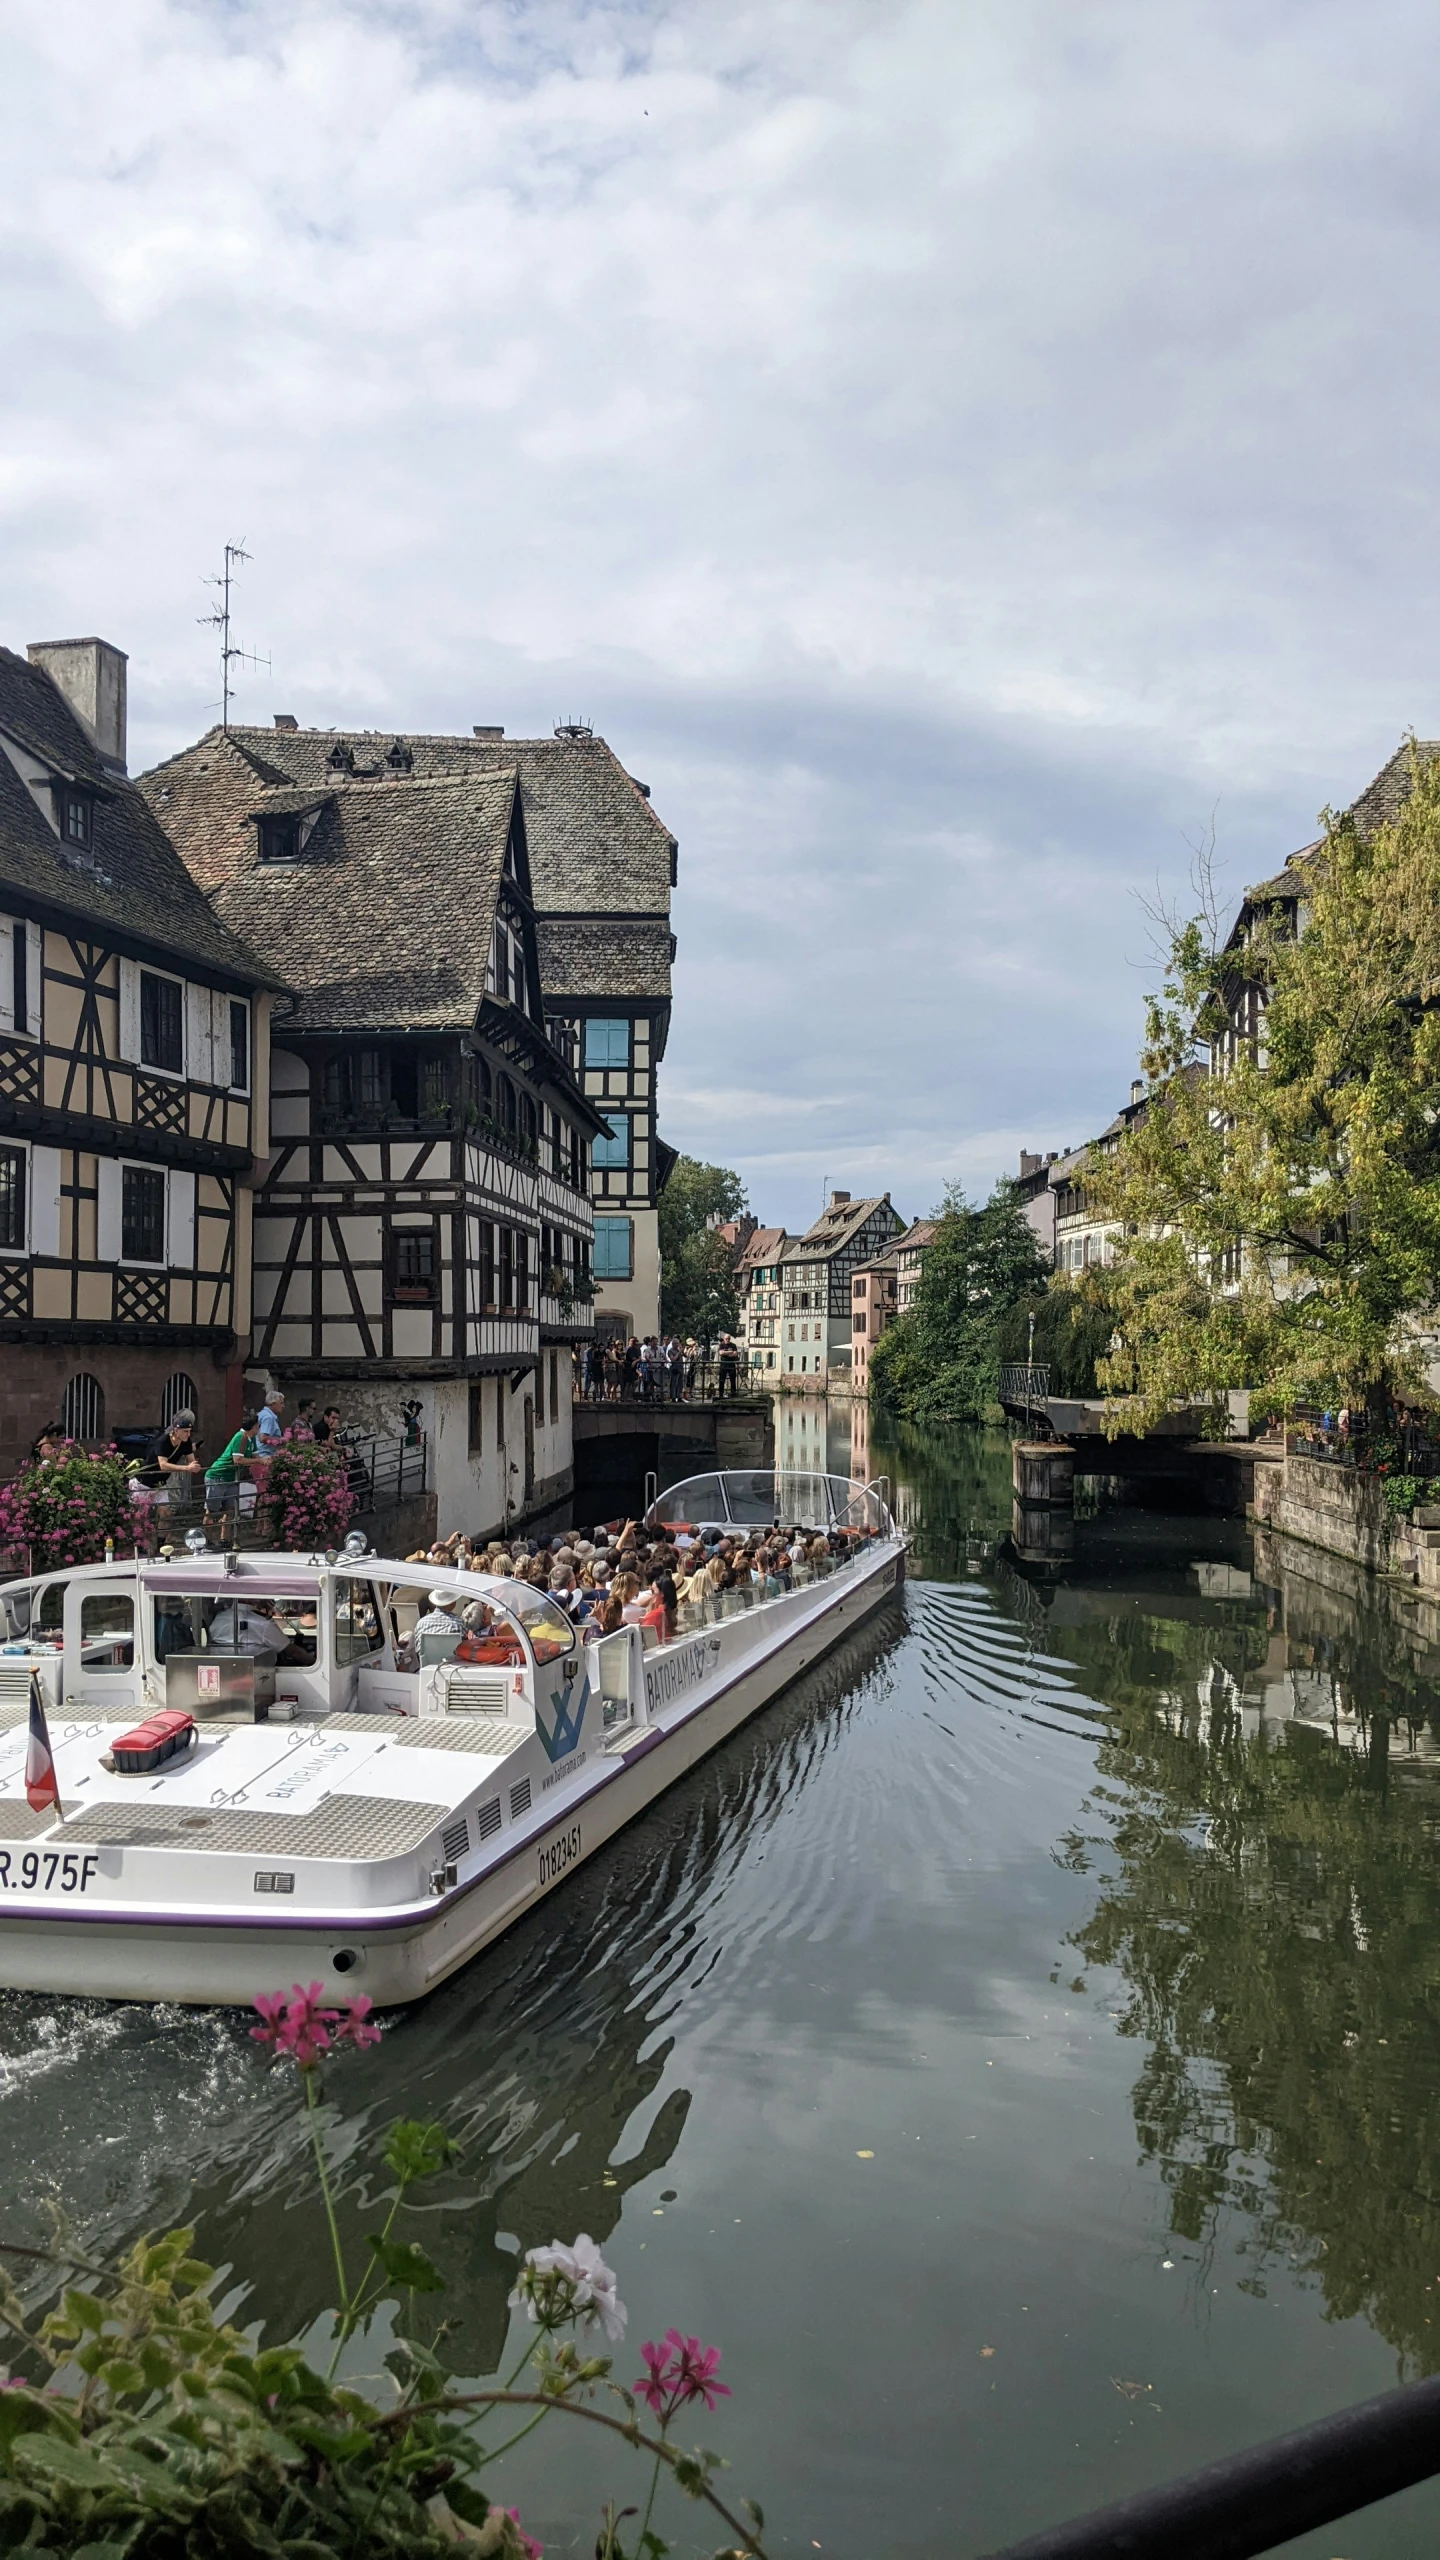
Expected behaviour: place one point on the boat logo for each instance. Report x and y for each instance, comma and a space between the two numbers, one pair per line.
558, 1719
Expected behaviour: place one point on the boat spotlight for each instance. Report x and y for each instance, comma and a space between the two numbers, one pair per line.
357, 1544
195, 1542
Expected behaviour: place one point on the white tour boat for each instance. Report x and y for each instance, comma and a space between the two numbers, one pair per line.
355, 1802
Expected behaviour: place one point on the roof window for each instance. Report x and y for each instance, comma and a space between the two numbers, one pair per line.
279, 839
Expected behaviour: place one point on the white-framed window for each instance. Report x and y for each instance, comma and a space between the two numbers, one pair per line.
29, 1199
20, 959
145, 1215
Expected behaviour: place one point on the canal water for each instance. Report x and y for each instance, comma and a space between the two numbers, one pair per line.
1017, 2050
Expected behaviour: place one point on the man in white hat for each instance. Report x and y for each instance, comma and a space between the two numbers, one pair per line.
438, 1620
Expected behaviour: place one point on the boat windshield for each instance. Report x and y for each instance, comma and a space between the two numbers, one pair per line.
757, 1498
542, 1618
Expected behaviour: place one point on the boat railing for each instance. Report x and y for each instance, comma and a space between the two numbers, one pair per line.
759, 1497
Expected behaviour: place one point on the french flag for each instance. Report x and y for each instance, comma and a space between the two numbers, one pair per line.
41, 1786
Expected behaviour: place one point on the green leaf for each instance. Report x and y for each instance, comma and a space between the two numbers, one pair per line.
58, 2458
404, 2262
414, 2150
83, 2310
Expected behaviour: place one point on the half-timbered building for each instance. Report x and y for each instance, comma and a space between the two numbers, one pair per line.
816, 1271
133, 1078
602, 867
423, 1229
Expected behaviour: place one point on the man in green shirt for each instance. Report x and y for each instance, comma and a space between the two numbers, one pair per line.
222, 1476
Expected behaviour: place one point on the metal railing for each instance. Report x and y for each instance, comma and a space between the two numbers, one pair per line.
382, 1473
1258, 2500
702, 1380
1024, 1384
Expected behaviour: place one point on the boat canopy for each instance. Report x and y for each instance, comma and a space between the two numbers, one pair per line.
759, 1497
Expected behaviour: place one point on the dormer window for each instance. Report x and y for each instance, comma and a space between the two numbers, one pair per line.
279, 839
78, 819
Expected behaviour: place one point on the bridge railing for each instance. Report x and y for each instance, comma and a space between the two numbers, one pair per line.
1024, 1383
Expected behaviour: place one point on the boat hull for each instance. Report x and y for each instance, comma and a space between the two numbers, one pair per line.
395, 1960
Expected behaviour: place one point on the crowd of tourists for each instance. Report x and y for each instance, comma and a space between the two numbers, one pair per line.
620, 1575
656, 1369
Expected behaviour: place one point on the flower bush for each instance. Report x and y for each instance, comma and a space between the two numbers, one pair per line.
304, 1497
143, 2426
62, 1511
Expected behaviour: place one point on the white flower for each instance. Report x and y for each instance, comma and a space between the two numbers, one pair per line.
559, 2284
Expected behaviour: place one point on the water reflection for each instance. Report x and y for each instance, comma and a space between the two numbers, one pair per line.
1262, 1835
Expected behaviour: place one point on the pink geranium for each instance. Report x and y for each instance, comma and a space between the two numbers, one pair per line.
677, 2371
297, 2025
533, 2549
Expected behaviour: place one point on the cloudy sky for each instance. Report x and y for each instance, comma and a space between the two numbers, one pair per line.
953, 449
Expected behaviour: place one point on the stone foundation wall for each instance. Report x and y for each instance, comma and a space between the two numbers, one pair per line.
1337, 1508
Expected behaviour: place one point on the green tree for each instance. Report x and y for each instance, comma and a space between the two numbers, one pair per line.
1281, 1218
940, 1361
697, 1281
1071, 1334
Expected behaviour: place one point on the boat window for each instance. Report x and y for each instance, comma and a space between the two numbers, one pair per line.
107, 1631
48, 1617
358, 1631
174, 1627
17, 1609
252, 1623
542, 1618
698, 1503
753, 1498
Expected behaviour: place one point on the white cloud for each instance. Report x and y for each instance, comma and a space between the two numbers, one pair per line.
945, 449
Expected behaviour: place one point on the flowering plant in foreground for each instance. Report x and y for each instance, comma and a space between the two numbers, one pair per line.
62, 1510
140, 2424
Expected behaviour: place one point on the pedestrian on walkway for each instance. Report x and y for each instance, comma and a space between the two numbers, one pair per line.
729, 1365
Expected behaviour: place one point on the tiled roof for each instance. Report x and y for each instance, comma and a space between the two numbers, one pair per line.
837, 1227
1379, 802
385, 922
131, 878
626, 956
596, 845
599, 856
765, 1245
916, 1236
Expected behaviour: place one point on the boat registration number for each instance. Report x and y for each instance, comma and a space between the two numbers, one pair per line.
560, 1853
47, 1871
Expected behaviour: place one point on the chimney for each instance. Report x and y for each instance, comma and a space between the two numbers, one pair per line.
91, 675
839, 1199
1137, 1090
286, 720
487, 733
1028, 1164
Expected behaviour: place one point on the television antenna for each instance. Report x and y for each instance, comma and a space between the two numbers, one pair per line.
219, 620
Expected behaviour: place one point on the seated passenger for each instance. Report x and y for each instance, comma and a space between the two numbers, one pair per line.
489, 1638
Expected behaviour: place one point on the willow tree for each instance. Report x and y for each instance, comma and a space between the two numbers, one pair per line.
1279, 1201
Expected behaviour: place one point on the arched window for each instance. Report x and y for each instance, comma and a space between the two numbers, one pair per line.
180, 1397
82, 1408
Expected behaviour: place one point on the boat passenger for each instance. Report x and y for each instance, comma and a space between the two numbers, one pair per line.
488, 1638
